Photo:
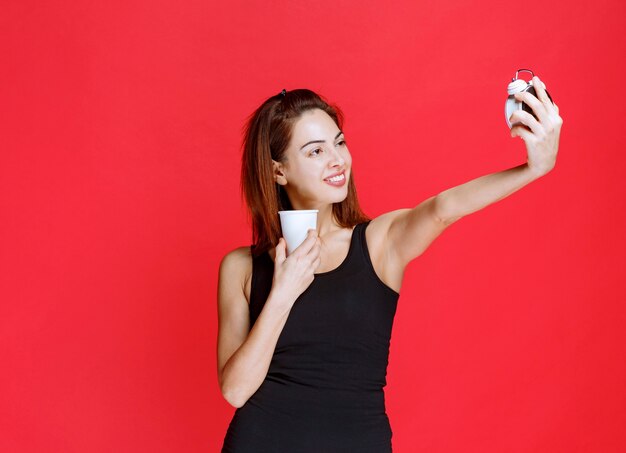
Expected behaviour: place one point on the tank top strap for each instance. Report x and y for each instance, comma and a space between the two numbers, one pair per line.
261, 284
366, 259
358, 258
360, 244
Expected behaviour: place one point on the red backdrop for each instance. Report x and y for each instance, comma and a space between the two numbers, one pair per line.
119, 175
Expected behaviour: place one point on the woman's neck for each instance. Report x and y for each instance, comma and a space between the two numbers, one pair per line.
326, 223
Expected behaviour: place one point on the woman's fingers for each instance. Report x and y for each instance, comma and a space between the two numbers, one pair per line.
522, 132
307, 244
280, 251
317, 248
540, 89
520, 116
535, 104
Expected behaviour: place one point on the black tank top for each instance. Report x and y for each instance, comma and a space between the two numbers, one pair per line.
323, 392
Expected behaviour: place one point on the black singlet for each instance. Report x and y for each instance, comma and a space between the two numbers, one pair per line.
323, 392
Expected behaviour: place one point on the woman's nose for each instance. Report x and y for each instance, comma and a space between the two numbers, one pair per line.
336, 158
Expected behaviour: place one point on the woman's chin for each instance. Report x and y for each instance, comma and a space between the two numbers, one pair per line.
338, 198
330, 196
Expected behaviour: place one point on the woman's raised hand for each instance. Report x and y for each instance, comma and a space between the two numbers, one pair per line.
294, 273
541, 136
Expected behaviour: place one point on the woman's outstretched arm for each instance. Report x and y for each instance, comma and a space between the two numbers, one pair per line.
541, 137
459, 201
411, 231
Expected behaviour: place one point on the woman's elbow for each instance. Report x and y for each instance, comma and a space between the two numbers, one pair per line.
234, 398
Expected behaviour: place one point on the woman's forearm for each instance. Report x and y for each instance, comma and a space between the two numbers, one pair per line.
246, 369
479, 193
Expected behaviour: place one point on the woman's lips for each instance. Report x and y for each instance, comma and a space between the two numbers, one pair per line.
337, 181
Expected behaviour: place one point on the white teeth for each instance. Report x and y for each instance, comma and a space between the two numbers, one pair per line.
337, 178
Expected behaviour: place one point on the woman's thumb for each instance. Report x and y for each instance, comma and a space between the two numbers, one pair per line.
280, 251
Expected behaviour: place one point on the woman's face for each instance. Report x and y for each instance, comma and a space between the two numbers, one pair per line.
317, 152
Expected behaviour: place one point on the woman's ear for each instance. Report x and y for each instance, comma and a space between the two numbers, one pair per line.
279, 176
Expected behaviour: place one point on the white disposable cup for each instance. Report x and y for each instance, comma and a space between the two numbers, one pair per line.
295, 224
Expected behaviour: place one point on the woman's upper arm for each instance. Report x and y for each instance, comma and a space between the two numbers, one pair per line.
413, 230
408, 233
233, 309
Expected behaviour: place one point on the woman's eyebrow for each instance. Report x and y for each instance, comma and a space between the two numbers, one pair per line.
320, 141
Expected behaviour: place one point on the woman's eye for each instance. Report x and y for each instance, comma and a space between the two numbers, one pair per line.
316, 151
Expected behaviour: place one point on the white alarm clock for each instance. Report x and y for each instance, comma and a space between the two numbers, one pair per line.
518, 85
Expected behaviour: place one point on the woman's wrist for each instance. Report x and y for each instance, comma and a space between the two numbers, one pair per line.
279, 300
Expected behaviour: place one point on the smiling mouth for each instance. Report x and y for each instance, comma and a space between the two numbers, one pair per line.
337, 178
337, 181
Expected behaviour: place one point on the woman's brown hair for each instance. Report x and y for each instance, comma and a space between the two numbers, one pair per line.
267, 134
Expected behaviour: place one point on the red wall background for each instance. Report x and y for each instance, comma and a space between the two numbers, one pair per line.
119, 174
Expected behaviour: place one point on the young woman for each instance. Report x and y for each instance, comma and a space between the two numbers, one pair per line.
303, 339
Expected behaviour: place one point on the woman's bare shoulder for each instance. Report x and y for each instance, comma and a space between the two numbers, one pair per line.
378, 227
238, 256
236, 268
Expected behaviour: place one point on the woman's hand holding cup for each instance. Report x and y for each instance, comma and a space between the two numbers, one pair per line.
294, 273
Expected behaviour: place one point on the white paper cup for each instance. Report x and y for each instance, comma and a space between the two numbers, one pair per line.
295, 224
